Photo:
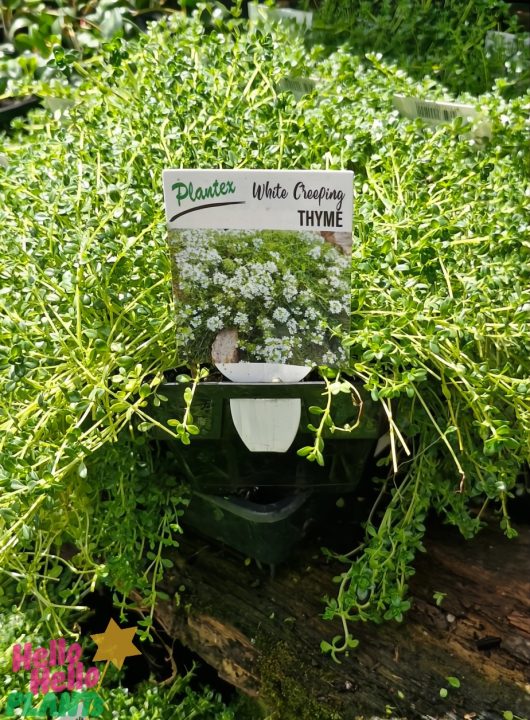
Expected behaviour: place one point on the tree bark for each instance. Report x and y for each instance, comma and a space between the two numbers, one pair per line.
263, 634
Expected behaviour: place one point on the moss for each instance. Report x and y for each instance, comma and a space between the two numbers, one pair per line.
289, 698
247, 708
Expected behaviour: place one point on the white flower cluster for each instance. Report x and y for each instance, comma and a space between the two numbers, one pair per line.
280, 290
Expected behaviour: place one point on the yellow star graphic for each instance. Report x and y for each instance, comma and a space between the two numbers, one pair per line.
115, 644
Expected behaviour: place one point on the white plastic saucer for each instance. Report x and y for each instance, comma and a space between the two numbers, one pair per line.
253, 372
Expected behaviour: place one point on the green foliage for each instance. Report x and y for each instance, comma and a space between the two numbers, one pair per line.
440, 299
439, 597
152, 702
36, 36
334, 386
453, 682
445, 41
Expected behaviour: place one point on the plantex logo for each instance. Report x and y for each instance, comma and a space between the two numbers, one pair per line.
187, 191
59, 685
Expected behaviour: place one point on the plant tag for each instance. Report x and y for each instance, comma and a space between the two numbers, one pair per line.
436, 112
261, 264
508, 42
298, 86
263, 13
57, 106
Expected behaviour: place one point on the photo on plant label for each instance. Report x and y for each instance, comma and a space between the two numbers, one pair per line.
261, 295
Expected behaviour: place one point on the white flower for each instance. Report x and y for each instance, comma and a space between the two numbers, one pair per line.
290, 292
266, 324
219, 278
241, 319
335, 307
329, 358
281, 315
214, 323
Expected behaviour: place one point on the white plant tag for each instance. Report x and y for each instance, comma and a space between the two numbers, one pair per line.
298, 86
507, 41
261, 265
268, 14
57, 106
436, 112
320, 200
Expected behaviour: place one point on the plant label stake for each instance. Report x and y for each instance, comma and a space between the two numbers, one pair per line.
436, 112
265, 14
261, 279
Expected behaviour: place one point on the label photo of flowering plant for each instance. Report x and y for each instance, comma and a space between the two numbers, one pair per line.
284, 296
266, 280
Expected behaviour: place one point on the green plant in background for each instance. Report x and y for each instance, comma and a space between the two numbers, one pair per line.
152, 702
453, 682
33, 32
443, 40
509, 715
440, 300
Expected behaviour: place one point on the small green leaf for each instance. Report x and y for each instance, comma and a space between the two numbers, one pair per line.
453, 681
315, 410
438, 597
304, 452
443, 692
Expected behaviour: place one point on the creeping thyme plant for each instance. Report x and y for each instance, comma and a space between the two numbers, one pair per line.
279, 290
440, 298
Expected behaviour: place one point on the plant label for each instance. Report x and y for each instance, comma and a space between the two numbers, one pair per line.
263, 13
436, 112
298, 86
260, 264
508, 42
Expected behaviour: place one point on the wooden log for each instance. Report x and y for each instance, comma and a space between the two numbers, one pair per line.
263, 634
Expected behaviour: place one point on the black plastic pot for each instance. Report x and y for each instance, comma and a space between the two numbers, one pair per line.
217, 460
11, 108
265, 531
266, 524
